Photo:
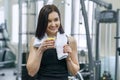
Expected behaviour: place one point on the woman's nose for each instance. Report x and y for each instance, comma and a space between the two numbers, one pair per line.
53, 23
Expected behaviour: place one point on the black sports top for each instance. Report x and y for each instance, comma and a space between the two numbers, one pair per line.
51, 68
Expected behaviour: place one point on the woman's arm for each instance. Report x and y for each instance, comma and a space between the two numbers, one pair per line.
34, 59
72, 59
35, 55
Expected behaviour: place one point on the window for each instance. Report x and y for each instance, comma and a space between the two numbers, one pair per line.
40, 5
15, 23
2, 15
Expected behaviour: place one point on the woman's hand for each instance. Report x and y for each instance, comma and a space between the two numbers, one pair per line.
72, 59
67, 49
47, 44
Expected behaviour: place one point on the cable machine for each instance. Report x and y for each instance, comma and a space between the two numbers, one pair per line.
97, 16
108, 16
104, 18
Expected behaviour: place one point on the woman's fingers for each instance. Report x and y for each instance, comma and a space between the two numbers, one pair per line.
67, 49
48, 44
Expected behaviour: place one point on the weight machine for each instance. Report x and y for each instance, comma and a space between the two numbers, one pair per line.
110, 16
107, 16
7, 57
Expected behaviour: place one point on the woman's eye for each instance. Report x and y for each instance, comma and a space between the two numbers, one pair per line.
49, 21
56, 19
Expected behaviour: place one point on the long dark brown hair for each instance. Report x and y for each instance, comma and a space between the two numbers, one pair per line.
43, 20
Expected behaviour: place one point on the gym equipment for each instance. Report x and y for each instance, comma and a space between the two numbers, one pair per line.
118, 49
7, 57
117, 44
106, 76
107, 16
84, 69
103, 3
110, 16
91, 62
92, 75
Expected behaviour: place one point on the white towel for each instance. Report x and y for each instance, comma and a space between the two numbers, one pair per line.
37, 42
60, 41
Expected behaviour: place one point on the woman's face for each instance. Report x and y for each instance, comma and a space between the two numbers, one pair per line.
53, 24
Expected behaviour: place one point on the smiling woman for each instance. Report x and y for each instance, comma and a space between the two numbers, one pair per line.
53, 24
45, 58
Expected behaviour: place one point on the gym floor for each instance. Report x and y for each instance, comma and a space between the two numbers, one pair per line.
7, 73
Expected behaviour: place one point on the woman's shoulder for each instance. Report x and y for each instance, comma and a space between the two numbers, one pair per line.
32, 39
71, 39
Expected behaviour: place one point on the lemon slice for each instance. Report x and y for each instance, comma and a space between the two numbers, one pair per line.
50, 38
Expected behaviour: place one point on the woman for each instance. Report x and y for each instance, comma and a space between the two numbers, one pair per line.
43, 59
